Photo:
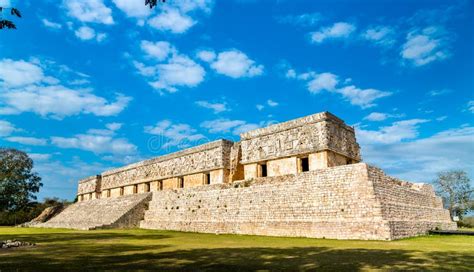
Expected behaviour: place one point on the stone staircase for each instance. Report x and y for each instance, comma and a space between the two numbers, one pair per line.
121, 212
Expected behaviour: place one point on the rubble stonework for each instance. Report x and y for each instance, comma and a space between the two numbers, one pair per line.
298, 178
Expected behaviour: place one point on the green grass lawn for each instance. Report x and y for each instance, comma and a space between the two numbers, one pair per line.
68, 250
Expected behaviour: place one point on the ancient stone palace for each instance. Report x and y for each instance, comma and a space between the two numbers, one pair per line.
302, 178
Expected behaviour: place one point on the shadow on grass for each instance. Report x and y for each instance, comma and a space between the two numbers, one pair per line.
97, 251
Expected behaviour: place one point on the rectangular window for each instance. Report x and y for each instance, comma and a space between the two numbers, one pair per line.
90, 196
135, 189
180, 182
160, 185
208, 178
263, 170
108, 193
147, 187
81, 197
304, 164
121, 191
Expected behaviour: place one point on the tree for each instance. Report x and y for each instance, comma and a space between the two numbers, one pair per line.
17, 181
455, 189
7, 24
153, 3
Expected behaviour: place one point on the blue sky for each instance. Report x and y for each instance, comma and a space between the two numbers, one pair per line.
87, 85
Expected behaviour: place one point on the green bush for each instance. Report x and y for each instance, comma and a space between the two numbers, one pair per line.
466, 222
26, 214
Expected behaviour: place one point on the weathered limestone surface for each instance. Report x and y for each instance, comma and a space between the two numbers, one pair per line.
202, 158
343, 202
120, 212
310, 134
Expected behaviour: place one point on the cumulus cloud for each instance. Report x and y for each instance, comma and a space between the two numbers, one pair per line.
172, 20
339, 30
363, 98
89, 11
39, 156
272, 103
232, 63
216, 107
180, 135
305, 19
27, 140
236, 127
19, 73
397, 132
86, 33
206, 55
380, 35
30, 90
174, 70
159, 50
379, 116
177, 16
133, 8
318, 82
425, 45
6, 128
419, 159
97, 142
49, 24
470, 106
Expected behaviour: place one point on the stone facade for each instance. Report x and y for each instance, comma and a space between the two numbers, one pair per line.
298, 178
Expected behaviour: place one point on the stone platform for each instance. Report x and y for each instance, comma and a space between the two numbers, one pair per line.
122, 212
354, 201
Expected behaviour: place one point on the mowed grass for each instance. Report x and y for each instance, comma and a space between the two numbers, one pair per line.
136, 249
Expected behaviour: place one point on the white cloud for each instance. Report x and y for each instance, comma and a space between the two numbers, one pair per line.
426, 45
98, 142
206, 55
174, 134
5, 3
133, 8
305, 19
272, 103
18, 73
440, 92
176, 16
178, 70
86, 33
6, 128
379, 116
39, 156
323, 81
235, 126
58, 102
50, 24
420, 159
470, 106
158, 50
397, 132
362, 97
260, 107
29, 90
216, 107
236, 64
380, 35
172, 20
27, 140
89, 11
340, 30
318, 82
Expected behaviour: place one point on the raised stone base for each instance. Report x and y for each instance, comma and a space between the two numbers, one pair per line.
345, 202
120, 212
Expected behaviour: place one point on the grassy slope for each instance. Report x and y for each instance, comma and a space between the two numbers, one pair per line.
66, 250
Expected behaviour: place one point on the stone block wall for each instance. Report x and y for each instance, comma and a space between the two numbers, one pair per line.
343, 202
121, 212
